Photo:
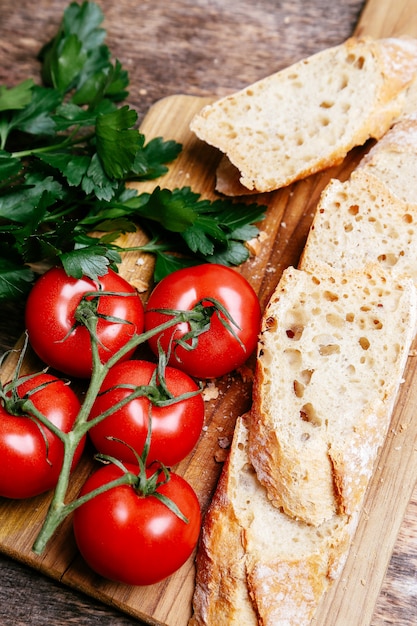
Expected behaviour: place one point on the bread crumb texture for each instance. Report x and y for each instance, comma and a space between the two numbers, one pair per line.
331, 359
360, 221
308, 116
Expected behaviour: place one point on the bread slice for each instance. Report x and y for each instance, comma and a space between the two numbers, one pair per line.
256, 565
372, 217
410, 106
361, 221
308, 116
331, 357
393, 159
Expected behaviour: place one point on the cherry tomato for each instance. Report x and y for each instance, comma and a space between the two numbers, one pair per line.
175, 428
50, 320
218, 351
135, 539
31, 455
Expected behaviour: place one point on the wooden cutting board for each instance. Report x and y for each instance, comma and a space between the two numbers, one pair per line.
289, 214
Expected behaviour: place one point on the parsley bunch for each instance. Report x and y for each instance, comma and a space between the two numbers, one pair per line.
68, 148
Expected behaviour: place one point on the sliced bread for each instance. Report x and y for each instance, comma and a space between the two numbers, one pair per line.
255, 564
306, 117
331, 357
361, 221
393, 159
410, 106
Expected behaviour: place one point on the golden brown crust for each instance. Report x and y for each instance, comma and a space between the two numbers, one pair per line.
397, 59
247, 572
220, 591
351, 472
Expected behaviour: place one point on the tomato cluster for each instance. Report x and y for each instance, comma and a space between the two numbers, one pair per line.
146, 416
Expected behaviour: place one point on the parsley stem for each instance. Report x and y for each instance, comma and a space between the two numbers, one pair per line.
68, 209
67, 142
151, 246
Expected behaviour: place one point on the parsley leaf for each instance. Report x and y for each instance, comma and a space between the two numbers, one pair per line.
15, 279
150, 161
16, 97
9, 166
88, 261
67, 152
112, 131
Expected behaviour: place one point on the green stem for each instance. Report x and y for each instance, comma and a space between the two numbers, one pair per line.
55, 215
29, 408
58, 510
125, 479
68, 141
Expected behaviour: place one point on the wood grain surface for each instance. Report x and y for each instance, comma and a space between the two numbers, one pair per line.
196, 48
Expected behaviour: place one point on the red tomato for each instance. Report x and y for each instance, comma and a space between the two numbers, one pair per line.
31, 455
175, 428
50, 320
218, 351
135, 539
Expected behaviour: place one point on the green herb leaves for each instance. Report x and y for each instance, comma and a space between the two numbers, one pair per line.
67, 150
214, 232
112, 130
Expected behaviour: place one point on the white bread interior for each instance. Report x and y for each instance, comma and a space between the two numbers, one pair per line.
360, 221
307, 117
331, 357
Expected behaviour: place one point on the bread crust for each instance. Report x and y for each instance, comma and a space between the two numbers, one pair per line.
393, 159
247, 573
221, 596
298, 585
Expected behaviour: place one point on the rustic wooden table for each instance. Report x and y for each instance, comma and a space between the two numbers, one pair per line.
197, 47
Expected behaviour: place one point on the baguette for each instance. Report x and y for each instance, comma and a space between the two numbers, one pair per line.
258, 562
308, 116
251, 553
331, 357
221, 596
